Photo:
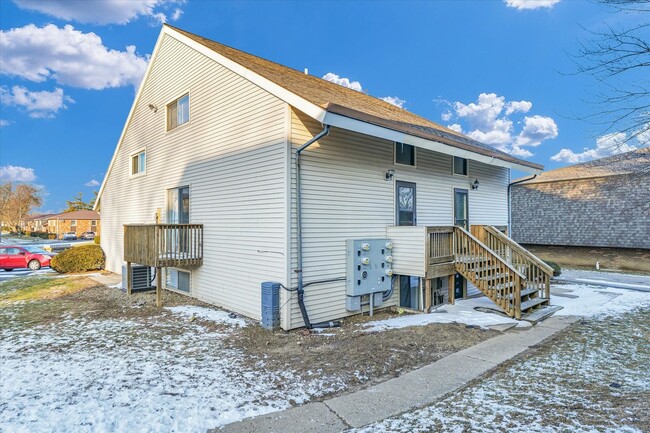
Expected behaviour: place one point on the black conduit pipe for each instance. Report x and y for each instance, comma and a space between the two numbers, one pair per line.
301, 288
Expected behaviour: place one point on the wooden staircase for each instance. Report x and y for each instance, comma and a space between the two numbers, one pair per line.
513, 278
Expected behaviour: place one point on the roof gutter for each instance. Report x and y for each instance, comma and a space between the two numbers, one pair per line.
301, 289
509, 200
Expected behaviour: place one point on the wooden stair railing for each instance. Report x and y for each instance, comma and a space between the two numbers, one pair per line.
491, 274
538, 274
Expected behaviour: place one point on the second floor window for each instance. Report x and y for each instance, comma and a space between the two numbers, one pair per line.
460, 166
138, 163
178, 112
404, 154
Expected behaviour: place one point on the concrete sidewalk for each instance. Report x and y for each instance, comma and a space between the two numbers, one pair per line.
412, 390
606, 279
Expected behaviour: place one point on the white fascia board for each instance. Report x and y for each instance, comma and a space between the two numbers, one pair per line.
129, 117
350, 124
312, 110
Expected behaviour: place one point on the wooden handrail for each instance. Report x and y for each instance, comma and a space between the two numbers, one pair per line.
532, 257
439, 244
491, 274
538, 274
164, 245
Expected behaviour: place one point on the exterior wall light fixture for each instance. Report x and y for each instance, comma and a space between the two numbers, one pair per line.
153, 108
474, 184
389, 174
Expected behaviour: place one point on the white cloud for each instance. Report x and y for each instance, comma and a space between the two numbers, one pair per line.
38, 104
4, 122
536, 129
518, 106
13, 173
606, 145
103, 11
92, 183
531, 4
342, 81
398, 102
489, 121
68, 56
177, 14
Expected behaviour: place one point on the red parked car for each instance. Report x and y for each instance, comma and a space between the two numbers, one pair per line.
14, 257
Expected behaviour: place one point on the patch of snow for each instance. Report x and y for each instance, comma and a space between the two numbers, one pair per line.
463, 311
116, 286
597, 301
211, 314
142, 375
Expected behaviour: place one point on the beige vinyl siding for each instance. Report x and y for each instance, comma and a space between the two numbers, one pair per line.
231, 154
345, 196
409, 247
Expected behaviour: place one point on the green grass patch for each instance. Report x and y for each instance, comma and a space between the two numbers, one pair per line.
40, 288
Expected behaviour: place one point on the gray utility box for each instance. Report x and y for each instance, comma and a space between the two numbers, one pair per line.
369, 270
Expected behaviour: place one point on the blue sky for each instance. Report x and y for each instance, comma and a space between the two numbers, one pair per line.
496, 70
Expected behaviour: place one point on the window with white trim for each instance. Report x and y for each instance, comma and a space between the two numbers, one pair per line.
178, 280
460, 166
178, 112
138, 163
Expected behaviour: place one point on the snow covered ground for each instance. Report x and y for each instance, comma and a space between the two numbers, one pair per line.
576, 300
169, 374
593, 379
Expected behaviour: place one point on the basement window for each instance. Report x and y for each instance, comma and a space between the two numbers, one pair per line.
178, 280
404, 154
460, 166
138, 163
178, 112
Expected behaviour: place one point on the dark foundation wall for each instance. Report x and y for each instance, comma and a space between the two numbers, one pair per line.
617, 259
609, 211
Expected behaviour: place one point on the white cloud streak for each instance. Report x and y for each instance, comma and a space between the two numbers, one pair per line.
398, 102
13, 173
104, 11
37, 104
606, 145
531, 4
69, 57
489, 121
342, 81
91, 183
4, 122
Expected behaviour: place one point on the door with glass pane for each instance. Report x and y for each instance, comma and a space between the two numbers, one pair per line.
461, 208
406, 209
178, 212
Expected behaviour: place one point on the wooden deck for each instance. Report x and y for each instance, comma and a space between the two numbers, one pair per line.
164, 245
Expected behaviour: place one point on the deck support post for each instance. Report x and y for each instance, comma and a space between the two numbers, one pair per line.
159, 287
129, 278
451, 283
427, 295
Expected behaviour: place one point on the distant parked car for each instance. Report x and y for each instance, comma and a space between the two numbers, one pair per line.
70, 236
14, 257
88, 235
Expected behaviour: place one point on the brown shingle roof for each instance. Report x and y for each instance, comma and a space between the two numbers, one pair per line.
636, 161
350, 103
76, 215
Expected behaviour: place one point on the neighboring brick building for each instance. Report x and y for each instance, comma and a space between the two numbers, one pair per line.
77, 221
595, 206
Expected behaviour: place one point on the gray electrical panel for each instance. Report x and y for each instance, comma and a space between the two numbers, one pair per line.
369, 270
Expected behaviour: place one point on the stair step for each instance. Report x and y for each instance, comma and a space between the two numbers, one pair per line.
524, 292
540, 314
533, 303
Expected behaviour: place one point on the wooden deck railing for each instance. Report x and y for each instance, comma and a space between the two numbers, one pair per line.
164, 245
538, 274
491, 274
440, 244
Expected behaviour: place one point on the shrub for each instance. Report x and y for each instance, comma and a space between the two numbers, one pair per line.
79, 259
29, 234
557, 270
97, 240
51, 236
